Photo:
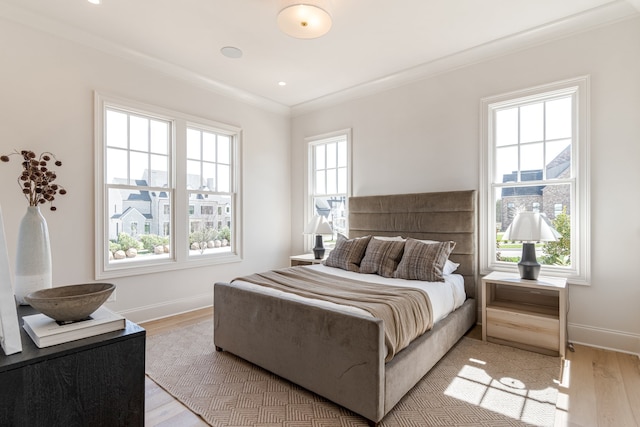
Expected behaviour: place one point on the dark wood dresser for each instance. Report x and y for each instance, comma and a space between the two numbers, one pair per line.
96, 381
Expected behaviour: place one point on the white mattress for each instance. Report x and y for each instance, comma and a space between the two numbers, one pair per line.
445, 296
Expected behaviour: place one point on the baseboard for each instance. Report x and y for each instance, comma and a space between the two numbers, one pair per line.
604, 338
169, 308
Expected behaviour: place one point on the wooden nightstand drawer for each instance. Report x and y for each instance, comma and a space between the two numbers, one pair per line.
518, 327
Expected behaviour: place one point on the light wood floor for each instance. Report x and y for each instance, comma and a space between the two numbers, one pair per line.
598, 387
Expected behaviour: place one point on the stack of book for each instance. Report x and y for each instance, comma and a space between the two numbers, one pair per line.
45, 332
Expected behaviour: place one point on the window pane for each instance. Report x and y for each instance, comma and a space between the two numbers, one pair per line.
321, 187
559, 153
193, 174
208, 147
531, 123
159, 171
209, 224
132, 235
224, 178
506, 164
558, 118
224, 149
320, 157
332, 159
116, 166
193, 144
116, 129
138, 168
209, 175
332, 185
159, 137
506, 127
531, 157
334, 210
139, 133
554, 202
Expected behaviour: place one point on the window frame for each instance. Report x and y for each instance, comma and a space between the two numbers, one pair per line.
579, 89
309, 208
179, 217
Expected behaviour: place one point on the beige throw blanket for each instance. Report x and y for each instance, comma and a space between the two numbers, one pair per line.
406, 312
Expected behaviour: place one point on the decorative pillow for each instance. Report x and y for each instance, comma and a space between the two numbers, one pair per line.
382, 257
347, 253
450, 267
424, 261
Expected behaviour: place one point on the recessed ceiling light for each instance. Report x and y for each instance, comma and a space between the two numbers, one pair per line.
231, 52
95, 1
282, 83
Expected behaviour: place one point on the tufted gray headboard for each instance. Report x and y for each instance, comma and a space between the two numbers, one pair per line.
450, 215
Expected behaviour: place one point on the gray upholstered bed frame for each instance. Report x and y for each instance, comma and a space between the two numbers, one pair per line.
340, 356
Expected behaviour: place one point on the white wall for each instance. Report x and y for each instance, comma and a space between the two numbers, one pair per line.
46, 104
425, 137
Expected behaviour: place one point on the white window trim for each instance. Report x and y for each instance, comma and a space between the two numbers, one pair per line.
580, 273
178, 153
308, 205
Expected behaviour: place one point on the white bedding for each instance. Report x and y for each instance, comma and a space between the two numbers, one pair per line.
445, 296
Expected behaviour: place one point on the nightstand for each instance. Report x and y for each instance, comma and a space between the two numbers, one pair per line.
305, 259
528, 314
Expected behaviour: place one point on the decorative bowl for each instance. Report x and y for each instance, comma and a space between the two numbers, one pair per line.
70, 303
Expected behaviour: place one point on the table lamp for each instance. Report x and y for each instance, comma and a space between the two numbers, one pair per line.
318, 226
529, 228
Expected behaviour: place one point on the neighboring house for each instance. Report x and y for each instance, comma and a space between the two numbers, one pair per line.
550, 200
144, 212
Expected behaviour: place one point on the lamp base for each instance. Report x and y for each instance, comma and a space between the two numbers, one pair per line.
318, 250
528, 266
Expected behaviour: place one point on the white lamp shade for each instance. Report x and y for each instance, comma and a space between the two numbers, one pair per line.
304, 21
530, 227
318, 225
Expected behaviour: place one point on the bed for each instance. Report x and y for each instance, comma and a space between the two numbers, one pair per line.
340, 354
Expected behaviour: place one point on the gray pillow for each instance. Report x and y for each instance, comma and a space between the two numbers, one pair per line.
382, 257
424, 261
347, 253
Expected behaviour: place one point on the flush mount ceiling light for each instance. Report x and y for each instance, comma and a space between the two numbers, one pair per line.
304, 21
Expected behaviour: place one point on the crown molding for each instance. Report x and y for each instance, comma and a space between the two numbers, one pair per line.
597, 17
635, 3
603, 15
75, 35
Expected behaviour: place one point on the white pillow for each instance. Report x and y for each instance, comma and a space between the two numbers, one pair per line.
450, 267
390, 239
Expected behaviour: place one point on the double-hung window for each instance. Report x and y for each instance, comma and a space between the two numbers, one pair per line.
329, 181
176, 174
535, 158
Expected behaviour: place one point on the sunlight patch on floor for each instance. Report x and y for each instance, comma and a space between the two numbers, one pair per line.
507, 396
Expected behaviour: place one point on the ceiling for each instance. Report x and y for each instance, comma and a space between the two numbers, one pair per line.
372, 44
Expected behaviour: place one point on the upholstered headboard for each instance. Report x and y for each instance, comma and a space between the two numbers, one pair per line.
450, 215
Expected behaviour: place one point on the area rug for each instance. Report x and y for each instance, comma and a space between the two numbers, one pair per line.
475, 384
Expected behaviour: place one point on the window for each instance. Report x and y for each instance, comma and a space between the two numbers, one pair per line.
329, 180
534, 158
170, 172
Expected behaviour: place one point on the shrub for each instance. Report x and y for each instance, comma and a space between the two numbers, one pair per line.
225, 233
150, 241
127, 242
559, 252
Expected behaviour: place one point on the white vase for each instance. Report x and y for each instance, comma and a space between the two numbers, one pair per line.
33, 259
